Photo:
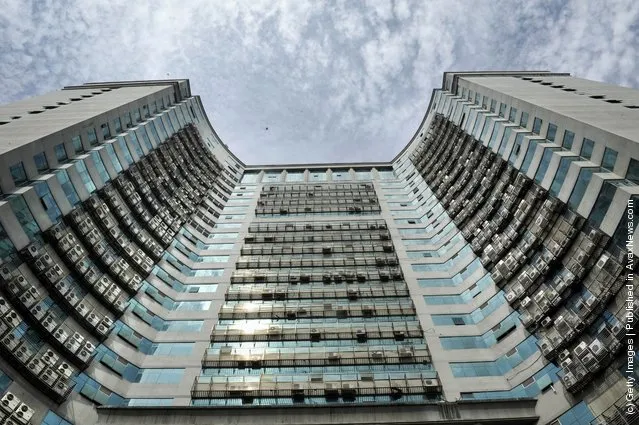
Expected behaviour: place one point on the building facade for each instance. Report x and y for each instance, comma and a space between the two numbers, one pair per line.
485, 274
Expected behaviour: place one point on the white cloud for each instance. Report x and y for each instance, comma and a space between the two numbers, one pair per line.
346, 81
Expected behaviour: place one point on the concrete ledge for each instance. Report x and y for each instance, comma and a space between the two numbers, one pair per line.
506, 412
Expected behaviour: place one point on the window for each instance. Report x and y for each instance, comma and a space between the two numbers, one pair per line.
604, 200
47, 201
18, 173
493, 105
77, 144
84, 175
99, 166
60, 152
583, 180
145, 110
128, 120
569, 137
537, 125
502, 110
543, 165
117, 124
160, 376
609, 159
512, 115
633, 171
552, 132
138, 117
560, 175
24, 216
93, 138
106, 132
67, 187
586, 148
523, 121
41, 162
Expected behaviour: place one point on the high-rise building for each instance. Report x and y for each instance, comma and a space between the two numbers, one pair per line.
481, 276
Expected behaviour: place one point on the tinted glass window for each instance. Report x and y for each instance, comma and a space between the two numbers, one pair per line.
609, 159
537, 125
552, 132
586, 148
569, 137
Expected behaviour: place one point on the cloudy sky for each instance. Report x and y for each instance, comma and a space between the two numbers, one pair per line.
332, 81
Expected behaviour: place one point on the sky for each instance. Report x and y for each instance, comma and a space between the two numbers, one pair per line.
318, 81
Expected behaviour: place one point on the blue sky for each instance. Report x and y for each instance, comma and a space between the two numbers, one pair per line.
332, 81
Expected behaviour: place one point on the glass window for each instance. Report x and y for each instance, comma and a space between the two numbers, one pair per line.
537, 122
41, 161
523, 121
604, 200
18, 173
24, 216
136, 144
93, 138
128, 120
145, 110
60, 152
114, 158
552, 132
338, 175
493, 105
586, 148
317, 177
47, 201
125, 149
174, 349
569, 137
543, 165
85, 176
502, 110
512, 115
516, 148
67, 187
138, 116
583, 180
609, 159
560, 175
145, 138
6, 249
106, 131
77, 144
99, 165
633, 171
294, 176
504, 140
477, 98
117, 123
530, 153
160, 376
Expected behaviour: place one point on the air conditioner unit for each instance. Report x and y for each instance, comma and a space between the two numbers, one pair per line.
93, 319
334, 356
546, 322
12, 319
569, 380
72, 298
49, 323
49, 358
581, 349
64, 369
597, 348
10, 341
22, 415
566, 363
23, 353
9, 402
315, 334
539, 297
35, 366
48, 376
525, 302
82, 309
405, 352
379, 354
